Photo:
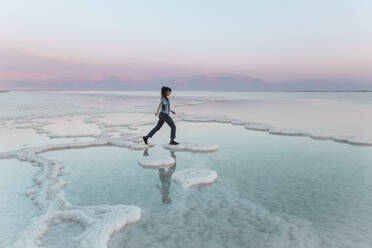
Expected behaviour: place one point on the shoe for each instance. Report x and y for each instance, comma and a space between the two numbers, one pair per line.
145, 138
173, 142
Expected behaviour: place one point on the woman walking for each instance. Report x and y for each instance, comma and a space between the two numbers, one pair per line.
163, 113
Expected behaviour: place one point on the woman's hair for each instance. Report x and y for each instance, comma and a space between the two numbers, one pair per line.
164, 91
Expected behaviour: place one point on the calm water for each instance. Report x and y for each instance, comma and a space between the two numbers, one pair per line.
272, 191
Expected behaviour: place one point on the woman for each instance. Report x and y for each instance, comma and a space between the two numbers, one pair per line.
164, 108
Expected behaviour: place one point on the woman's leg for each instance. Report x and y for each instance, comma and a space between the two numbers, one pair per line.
157, 127
171, 124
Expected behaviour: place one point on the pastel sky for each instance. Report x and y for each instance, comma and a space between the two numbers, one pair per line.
269, 39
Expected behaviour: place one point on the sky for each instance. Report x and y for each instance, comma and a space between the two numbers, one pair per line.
139, 40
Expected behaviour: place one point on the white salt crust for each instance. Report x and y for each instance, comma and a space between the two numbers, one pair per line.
29, 122
155, 162
190, 147
194, 177
286, 131
100, 222
257, 126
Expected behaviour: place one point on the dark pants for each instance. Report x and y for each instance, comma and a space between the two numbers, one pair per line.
163, 117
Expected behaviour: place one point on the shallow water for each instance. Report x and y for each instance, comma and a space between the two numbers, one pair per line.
16, 210
271, 191
275, 187
331, 117
13, 139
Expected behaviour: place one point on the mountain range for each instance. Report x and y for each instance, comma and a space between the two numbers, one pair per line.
213, 82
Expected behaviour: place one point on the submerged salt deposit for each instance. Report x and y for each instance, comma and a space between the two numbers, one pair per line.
155, 162
194, 177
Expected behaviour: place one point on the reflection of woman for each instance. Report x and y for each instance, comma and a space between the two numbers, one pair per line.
165, 179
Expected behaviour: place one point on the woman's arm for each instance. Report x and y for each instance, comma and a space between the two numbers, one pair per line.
172, 111
157, 111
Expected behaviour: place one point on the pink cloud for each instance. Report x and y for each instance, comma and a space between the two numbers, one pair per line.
20, 65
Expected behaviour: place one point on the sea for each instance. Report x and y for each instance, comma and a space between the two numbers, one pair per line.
253, 169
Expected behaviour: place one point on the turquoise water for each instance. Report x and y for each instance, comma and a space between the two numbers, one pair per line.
16, 210
272, 191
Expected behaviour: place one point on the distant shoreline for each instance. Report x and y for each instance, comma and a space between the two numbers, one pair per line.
304, 91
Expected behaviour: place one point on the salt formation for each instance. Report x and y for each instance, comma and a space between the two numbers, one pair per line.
317, 135
286, 131
204, 118
155, 162
360, 141
257, 126
237, 122
190, 147
29, 122
194, 177
100, 222
197, 119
